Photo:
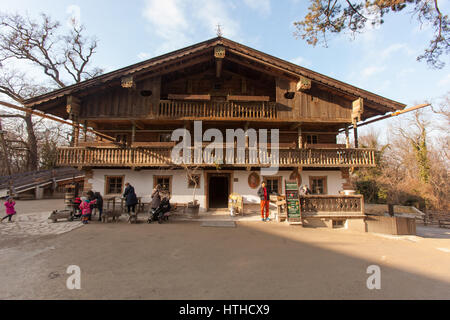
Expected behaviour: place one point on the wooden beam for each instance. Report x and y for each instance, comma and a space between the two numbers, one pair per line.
73, 105
357, 109
203, 97
46, 116
248, 98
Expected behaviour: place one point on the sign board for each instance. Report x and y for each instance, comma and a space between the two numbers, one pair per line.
292, 201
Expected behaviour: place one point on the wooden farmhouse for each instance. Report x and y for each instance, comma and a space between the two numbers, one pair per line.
225, 85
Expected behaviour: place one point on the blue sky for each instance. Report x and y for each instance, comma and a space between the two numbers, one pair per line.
381, 60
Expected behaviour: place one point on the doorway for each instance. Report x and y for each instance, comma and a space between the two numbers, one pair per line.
218, 190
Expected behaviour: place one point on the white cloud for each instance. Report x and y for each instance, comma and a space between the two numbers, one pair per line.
386, 53
208, 14
179, 23
263, 6
405, 72
445, 81
74, 13
143, 56
167, 21
301, 62
372, 70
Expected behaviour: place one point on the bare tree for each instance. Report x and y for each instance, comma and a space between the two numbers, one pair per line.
326, 17
62, 58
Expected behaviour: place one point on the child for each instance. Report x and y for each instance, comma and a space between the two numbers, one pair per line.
10, 211
85, 207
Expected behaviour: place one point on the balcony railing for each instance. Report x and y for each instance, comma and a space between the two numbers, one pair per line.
216, 110
161, 156
331, 206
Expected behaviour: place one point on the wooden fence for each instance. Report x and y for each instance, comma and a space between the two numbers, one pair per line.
162, 156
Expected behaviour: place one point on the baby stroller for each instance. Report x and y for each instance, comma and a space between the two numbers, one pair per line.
161, 213
76, 213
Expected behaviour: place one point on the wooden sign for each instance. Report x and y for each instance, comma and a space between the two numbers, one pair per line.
219, 52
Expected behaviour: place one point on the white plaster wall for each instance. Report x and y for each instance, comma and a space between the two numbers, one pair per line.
143, 183
334, 182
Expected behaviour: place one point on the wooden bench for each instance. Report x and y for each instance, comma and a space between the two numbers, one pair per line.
444, 223
177, 206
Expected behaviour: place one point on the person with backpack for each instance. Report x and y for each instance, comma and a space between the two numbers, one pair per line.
263, 194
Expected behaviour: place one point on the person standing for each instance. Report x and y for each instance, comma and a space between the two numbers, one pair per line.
130, 198
99, 204
85, 207
263, 194
10, 210
156, 199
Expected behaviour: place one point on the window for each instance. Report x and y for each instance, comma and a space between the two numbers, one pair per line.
318, 185
165, 137
195, 179
114, 184
311, 139
273, 185
165, 182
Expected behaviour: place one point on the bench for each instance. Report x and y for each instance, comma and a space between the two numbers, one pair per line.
177, 206
444, 223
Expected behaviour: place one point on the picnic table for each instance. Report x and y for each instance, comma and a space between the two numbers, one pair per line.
111, 201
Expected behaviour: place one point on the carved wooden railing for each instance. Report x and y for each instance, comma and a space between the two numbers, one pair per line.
216, 110
161, 156
331, 206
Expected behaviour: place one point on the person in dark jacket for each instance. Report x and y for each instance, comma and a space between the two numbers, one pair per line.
263, 194
156, 197
130, 198
99, 204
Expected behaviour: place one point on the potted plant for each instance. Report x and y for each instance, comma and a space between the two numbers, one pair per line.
193, 206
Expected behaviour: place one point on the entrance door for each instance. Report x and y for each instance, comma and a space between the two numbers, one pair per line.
218, 190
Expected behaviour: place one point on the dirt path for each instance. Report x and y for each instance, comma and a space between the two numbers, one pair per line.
182, 260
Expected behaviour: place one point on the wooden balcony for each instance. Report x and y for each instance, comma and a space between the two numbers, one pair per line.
227, 110
320, 206
161, 157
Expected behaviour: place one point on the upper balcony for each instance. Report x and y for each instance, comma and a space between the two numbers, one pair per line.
161, 157
211, 110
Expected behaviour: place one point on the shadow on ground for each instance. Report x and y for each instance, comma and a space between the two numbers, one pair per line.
181, 260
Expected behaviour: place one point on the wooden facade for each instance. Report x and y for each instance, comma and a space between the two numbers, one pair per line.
224, 84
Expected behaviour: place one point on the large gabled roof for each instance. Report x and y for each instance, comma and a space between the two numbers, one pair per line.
234, 47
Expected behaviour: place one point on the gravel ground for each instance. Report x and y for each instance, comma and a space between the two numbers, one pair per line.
182, 260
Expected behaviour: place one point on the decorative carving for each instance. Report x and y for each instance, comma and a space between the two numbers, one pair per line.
357, 110
219, 52
253, 180
128, 82
73, 106
303, 84
295, 175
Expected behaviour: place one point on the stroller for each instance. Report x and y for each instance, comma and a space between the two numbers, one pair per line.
76, 213
161, 213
